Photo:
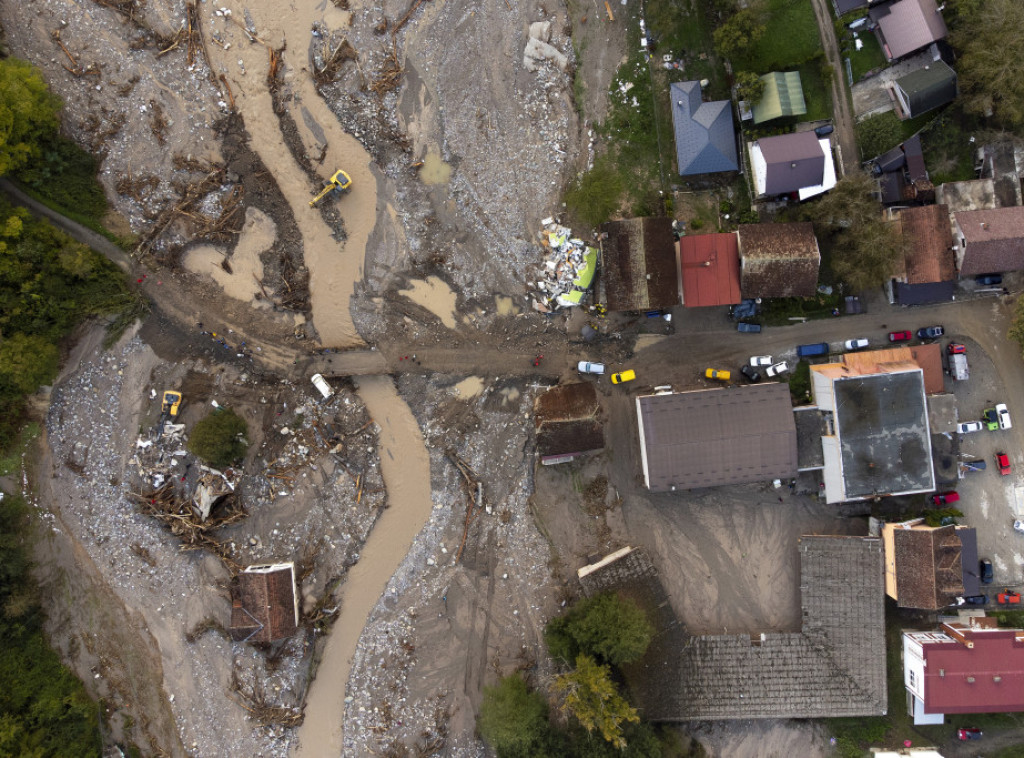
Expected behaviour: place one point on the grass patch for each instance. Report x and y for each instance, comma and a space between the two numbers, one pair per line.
800, 383
786, 311
10, 461
817, 91
790, 39
868, 58
949, 152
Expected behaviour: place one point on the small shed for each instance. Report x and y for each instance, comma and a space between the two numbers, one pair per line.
925, 89
783, 96
264, 604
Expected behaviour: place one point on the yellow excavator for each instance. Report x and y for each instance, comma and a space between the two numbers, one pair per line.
169, 405
339, 183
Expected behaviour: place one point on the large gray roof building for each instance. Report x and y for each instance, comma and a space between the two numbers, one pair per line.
705, 138
707, 438
833, 666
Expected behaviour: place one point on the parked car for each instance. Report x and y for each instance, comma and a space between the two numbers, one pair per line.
824, 130
586, 367
976, 465
972, 600
968, 733
989, 280
1008, 598
1003, 461
1003, 414
944, 498
746, 328
1018, 525
969, 427
623, 376
718, 373
930, 332
778, 368
989, 419
744, 309
955, 348
858, 344
985, 571
903, 336
751, 373
760, 360
808, 351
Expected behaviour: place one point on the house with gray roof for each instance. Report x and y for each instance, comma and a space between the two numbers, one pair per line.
834, 665
704, 133
800, 163
905, 26
925, 89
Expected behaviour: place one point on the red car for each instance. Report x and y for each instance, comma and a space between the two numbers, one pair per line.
1008, 598
900, 336
956, 348
969, 733
1003, 461
944, 498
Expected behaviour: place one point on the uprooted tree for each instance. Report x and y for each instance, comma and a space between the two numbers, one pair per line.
865, 248
219, 439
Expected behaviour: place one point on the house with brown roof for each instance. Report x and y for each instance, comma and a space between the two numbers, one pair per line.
799, 163
638, 265
927, 272
923, 564
709, 269
989, 241
967, 666
567, 424
264, 604
778, 260
833, 665
905, 26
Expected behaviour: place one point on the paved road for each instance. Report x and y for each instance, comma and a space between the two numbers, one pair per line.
842, 113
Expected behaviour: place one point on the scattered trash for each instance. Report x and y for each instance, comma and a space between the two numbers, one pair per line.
568, 272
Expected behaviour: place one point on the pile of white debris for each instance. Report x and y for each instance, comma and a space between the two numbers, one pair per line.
567, 273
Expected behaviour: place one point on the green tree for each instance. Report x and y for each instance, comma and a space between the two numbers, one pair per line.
590, 695
749, 87
514, 720
878, 134
28, 361
865, 249
219, 439
28, 113
642, 741
737, 34
990, 67
609, 628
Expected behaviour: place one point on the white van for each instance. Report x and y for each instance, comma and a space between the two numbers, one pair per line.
321, 384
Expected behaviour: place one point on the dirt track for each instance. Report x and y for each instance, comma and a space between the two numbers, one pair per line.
842, 114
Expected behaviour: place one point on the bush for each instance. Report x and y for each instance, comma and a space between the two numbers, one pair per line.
219, 439
595, 196
66, 175
606, 627
514, 721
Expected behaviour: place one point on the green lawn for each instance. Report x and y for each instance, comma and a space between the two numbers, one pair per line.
817, 92
790, 39
867, 58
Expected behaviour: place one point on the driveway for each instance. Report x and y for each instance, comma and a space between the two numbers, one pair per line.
844, 137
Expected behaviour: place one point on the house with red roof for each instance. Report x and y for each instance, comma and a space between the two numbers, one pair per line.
709, 269
970, 666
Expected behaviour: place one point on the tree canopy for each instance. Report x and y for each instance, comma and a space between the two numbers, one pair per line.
864, 248
990, 67
743, 29
514, 720
590, 695
28, 113
219, 439
609, 628
749, 87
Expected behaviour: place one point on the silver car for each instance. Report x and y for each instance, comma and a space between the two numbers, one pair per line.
586, 367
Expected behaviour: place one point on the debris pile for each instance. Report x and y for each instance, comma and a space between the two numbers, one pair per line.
539, 48
568, 272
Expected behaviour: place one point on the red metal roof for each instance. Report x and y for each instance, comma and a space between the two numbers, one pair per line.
986, 679
709, 265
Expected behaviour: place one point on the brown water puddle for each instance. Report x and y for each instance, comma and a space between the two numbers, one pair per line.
406, 469
434, 294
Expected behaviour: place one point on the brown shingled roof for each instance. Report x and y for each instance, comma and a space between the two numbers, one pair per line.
778, 260
994, 240
566, 402
928, 238
929, 569
638, 263
263, 603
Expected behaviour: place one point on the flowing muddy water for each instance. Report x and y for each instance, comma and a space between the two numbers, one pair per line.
406, 469
334, 266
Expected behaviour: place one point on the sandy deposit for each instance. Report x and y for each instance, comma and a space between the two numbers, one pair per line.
242, 281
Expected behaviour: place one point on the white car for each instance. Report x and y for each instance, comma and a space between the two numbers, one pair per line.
778, 368
1004, 416
586, 367
1018, 525
967, 427
858, 344
760, 360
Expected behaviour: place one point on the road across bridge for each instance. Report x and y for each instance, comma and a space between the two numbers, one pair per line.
473, 360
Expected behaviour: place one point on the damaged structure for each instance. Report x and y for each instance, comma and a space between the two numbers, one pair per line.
567, 423
568, 272
264, 604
